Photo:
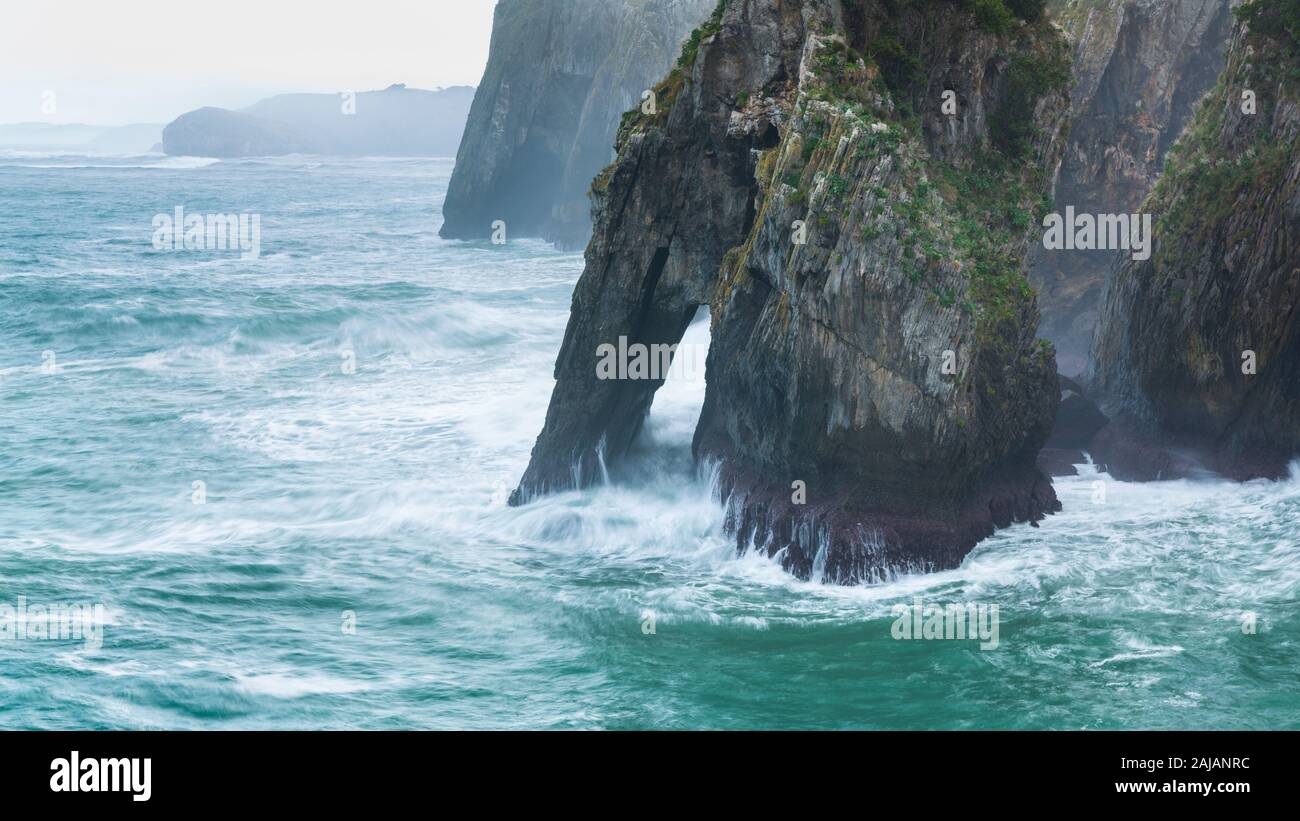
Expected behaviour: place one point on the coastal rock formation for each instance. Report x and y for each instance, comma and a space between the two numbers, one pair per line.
850, 186
559, 75
1140, 66
395, 122
1197, 358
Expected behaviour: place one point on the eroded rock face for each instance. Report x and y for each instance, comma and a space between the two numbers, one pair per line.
861, 253
1180, 333
1140, 67
559, 75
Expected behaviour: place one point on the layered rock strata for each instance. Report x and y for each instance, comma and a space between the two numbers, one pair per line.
1197, 357
850, 186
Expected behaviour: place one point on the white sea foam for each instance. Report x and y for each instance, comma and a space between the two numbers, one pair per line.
279, 685
383, 491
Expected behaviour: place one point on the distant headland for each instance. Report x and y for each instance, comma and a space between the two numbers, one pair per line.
397, 121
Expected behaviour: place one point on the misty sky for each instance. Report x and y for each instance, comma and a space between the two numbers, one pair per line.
113, 62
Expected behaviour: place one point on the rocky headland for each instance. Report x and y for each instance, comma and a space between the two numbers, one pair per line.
850, 186
395, 122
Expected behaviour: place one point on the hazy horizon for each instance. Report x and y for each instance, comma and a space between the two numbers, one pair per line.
235, 106
148, 62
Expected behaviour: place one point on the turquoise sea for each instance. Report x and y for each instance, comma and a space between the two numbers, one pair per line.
351, 409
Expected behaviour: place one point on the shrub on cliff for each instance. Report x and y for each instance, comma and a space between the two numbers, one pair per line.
1280, 20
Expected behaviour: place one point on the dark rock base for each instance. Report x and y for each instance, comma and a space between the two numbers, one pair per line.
838, 542
1132, 452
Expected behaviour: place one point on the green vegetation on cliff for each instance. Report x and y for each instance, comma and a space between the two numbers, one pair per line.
1203, 185
666, 90
976, 209
987, 203
691, 48
1279, 19
1033, 72
1031, 75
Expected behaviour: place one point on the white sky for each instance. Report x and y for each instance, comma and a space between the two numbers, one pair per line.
113, 62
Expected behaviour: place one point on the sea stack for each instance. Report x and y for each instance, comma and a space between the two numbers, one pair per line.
1197, 357
850, 187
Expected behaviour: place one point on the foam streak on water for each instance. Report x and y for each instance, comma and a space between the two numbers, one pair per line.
382, 493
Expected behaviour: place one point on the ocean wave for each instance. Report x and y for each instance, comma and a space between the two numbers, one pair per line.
384, 491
